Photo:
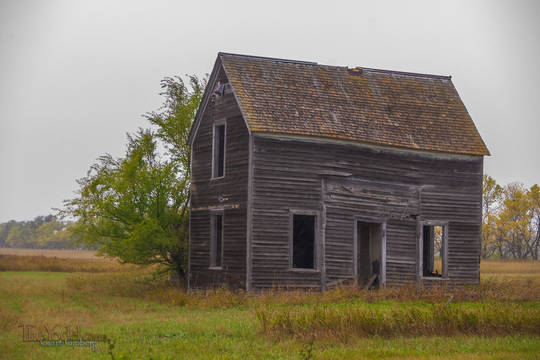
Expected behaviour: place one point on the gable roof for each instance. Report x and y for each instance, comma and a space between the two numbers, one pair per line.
407, 110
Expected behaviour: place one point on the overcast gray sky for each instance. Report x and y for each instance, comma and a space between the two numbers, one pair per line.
76, 76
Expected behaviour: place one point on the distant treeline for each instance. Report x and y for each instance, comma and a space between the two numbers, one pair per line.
43, 232
511, 220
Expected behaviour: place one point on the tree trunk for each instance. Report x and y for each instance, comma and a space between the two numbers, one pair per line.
178, 274
534, 252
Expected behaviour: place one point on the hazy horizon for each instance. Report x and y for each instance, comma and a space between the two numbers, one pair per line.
76, 76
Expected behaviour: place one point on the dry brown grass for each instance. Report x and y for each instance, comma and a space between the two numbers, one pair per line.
501, 281
505, 302
143, 329
61, 254
44, 263
498, 307
510, 267
140, 284
359, 320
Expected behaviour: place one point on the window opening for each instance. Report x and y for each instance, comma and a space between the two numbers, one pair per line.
303, 241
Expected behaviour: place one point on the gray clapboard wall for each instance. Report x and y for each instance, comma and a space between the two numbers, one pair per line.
343, 181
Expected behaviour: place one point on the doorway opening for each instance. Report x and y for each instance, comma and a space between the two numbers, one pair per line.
369, 254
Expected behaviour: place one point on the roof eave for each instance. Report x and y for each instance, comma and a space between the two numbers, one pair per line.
204, 102
234, 93
348, 141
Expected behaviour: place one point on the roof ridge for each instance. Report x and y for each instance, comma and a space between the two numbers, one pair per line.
405, 73
268, 58
359, 68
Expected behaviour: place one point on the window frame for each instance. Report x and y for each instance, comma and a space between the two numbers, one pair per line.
213, 214
220, 122
316, 250
444, 248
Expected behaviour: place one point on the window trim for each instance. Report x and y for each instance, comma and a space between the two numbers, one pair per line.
444, 248
316, 256
213, 214
220, 122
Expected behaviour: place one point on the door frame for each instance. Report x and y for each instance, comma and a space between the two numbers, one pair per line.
382, 223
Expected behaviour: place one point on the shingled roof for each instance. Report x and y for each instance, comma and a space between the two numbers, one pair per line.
407, 110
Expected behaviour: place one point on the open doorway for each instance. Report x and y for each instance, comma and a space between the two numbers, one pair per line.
369, 246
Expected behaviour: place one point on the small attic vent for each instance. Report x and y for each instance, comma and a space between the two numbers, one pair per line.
357, 71
222, 89
333, 116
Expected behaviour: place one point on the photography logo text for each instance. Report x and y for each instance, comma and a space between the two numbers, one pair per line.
58, 335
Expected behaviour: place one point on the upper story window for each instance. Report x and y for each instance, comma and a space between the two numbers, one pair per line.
218, 162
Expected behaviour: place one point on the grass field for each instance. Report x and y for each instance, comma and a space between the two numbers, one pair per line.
143, 318
61, 254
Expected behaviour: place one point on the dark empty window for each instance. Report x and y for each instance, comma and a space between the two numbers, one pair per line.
303, 241
216, 244
433, 251
219, 151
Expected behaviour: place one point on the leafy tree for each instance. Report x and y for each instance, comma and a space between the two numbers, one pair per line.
173, 120
534, 198
511, 220
4, 231
514, 220
491, 196
135, 207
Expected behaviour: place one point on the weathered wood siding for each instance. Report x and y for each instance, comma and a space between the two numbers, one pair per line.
206, 194
400, 186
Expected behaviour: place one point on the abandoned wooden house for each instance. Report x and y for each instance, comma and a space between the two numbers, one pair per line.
308, 175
